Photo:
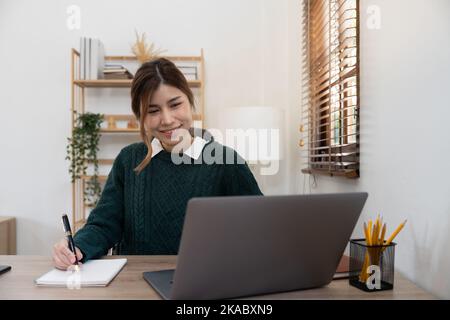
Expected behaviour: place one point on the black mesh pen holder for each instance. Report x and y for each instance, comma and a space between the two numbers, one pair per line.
371, 267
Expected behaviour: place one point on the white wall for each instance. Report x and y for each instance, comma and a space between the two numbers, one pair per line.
252, 52
245, 46
405, 112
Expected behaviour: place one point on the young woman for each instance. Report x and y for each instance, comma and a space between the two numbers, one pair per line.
142, 207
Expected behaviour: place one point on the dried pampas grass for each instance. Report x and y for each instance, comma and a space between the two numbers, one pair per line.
145, 51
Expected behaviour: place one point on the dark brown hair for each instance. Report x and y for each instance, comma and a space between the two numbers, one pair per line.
147, 80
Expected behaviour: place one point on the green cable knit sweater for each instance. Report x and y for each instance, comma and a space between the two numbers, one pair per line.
144, 214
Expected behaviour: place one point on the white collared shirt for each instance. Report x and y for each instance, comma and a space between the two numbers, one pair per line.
194, 151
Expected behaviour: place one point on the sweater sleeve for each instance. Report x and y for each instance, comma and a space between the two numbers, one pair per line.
103, 228
238, 178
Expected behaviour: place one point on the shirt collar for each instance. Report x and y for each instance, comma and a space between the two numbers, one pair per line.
194, 151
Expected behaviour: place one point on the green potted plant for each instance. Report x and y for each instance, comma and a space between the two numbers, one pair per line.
82, 149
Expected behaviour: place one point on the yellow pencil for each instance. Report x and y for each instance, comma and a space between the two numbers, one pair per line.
395, 233
366, 233
374, 234
375, 230
378, 229
381, 229
379, 233
383, 232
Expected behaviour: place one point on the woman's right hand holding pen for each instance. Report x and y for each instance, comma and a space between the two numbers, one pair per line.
63, 258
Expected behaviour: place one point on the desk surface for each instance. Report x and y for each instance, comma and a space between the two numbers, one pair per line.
129, 283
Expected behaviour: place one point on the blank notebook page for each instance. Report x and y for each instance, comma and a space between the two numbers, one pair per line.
92, 273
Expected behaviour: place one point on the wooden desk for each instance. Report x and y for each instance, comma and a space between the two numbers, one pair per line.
129, 283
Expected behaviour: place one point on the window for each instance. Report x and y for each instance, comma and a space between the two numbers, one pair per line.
330, 87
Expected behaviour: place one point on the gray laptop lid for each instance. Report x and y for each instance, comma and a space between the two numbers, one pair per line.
251, 245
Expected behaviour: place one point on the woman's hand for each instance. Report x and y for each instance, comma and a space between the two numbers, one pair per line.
63, 258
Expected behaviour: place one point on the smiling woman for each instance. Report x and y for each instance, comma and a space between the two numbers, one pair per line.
142, 207
163, 102
164, 118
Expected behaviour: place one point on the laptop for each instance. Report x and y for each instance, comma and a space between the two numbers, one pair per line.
240, 246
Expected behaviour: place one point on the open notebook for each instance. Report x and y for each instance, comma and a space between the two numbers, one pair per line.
93, 273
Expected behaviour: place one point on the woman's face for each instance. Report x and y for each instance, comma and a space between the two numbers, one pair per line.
168, 111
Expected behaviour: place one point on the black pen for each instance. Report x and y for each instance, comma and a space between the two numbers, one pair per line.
68, 233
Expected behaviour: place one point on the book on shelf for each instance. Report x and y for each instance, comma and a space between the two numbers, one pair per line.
116, 71
189, 71
97, 59
92, 58
113, 65
88, 59
82, 57
190, 76
116, 75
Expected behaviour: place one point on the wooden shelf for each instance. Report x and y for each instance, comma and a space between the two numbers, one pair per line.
103, 83
119, 117
100, 178
119, 130
125, 83
172, 58
104, 161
